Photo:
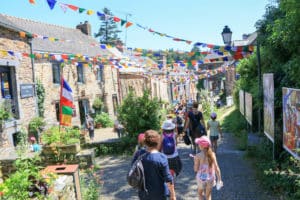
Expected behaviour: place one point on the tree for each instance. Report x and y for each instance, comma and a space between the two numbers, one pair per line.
139, 114
108, 31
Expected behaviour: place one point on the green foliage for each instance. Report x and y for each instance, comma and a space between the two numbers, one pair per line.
282, 177
139, 114
40, 90
104, 120
108, 31
5, 111
36, 125
125, 146
90, 182
64, 136
20, 183
97, 105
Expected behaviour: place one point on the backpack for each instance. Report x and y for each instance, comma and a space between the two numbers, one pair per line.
136, 176
196, 124
168, 144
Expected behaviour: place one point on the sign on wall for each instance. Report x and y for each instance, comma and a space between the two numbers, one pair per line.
291, 120
269, 123
248, 100
26, 90
241, 98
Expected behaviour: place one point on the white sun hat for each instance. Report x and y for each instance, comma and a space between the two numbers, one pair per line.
168, 125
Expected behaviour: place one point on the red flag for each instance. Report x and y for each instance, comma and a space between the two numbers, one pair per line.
32, 1
75, 8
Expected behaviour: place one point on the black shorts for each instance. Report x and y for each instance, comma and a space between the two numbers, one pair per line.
175, 164
179, 130
214, 138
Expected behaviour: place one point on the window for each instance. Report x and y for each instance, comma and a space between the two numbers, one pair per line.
57, 111
56, 73
99, 75
80, 74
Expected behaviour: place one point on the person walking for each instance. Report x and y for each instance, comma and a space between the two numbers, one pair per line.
195, 123
169, 147
215, 130
206, 168
90, 126
156, 170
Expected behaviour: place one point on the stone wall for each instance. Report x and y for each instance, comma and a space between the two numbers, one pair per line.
63, 188
159, 87
134, 81
89, 90
230, 80
20, 69
111, 88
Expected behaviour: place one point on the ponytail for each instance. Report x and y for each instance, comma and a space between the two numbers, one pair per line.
210, 157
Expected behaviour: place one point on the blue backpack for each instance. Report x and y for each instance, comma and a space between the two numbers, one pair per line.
168, 144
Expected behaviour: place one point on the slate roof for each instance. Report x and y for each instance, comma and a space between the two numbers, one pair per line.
78, 41
249, 41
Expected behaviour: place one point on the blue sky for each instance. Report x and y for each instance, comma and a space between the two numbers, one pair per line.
195, 20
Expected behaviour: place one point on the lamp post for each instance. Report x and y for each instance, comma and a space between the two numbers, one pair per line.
226, 35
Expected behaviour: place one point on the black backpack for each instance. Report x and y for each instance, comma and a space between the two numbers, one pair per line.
196, 124
136, 176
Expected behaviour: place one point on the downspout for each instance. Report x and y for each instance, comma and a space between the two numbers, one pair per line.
33, 76
119, 86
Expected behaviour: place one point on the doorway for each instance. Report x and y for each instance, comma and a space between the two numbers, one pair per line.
84, 108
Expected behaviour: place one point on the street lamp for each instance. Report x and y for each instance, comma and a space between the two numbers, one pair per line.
226, 35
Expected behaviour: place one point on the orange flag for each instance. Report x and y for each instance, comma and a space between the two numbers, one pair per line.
32, 1
128, 24
22, 34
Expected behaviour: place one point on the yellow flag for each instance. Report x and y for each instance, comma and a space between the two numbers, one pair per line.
89, 12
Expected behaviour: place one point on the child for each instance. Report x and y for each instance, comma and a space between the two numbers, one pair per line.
34, 147
206, 166
215, 130
140, 148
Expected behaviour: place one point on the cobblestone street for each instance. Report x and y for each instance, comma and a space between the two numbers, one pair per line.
237, 174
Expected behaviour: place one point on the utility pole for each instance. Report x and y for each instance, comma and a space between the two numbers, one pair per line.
126, 16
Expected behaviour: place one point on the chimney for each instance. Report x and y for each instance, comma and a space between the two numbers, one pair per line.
245, 36
85, 28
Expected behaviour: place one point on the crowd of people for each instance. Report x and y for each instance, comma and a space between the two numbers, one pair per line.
161, 160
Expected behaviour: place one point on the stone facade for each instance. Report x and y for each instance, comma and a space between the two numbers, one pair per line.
230, 80
159, 88
133, 81
19, 71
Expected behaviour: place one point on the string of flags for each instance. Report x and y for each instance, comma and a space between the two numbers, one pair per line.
65, 7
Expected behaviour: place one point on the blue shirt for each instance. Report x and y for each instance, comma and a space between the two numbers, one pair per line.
157, 173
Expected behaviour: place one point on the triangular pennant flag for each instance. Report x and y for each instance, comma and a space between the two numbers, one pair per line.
51, 3
64, 7
128, 24
90, 12
99, 14
75, 8
116, 19
123, 22
22, 34
32, 1
81, 10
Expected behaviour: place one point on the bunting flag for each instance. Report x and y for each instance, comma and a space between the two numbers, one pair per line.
66, 104
32, 1
128, 24
51, 3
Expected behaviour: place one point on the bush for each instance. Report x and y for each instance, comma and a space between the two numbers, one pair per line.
139, 114
64, 136
97, 105
104, 120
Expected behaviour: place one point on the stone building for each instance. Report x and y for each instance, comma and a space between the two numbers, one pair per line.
54, 50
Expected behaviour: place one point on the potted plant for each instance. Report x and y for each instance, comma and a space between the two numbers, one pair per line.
97, 105
64, 141
36, 126
103, 120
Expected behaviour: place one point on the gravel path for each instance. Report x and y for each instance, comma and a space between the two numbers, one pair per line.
237, 174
